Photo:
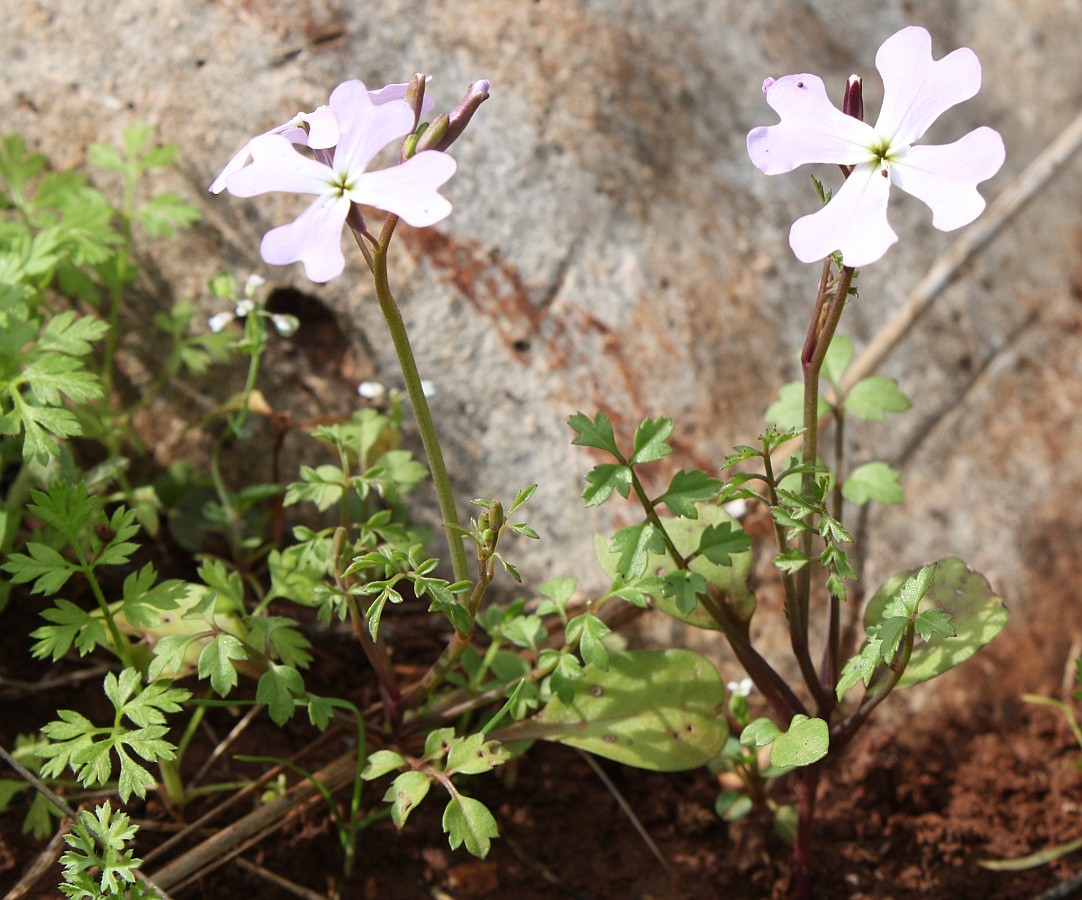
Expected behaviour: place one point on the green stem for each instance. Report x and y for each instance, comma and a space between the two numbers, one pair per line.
843, 732
436, 675
122, 648
406, 361
116, 289
678, 559
820, 334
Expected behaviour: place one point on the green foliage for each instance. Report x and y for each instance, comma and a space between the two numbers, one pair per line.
41, 813
98, 865
962, 613
652, 710
78, 744
806, 742
873, 481
467, 822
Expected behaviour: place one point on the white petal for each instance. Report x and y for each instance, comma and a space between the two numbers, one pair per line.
812, 129
409, 190
917, 89
276, 166
946, 177
313, 238
854, 222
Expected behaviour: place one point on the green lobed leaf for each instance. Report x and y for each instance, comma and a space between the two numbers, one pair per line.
872, 398
977, 615
649, 442
381, 762
873, 481
405, 792
590, 632
605, 478
633, 546
46, 567
276, 689
216, 663
474, 754
839, 355
468, 821
687, 534
688, 489
596, 433
788, 410
685, 588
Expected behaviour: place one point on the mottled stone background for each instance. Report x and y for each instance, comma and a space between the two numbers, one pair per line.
613, 247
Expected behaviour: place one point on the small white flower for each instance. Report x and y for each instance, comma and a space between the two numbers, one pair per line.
428, 388
219, 320
253, 284
285, 325
244, 308
371, 390
741, 688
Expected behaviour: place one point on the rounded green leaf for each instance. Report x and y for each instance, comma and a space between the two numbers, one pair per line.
806, 742
977, 615
658, 710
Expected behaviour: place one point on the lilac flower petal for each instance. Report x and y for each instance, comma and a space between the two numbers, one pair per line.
946, 177
409, 190
313, 238
812, 129
365, 128
398, 92
323, 128
854, 222
916, 88
276, 166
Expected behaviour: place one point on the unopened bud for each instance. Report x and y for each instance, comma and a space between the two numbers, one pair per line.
435, 132
415, 96
853, 104
476, 94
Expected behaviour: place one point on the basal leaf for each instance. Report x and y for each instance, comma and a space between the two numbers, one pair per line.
806, 742
977, 615
658, 710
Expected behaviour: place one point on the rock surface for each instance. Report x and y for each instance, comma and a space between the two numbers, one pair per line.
612, 246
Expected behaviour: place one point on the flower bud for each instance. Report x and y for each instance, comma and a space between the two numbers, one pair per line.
415, 96
436, 131
853, 104
476, 94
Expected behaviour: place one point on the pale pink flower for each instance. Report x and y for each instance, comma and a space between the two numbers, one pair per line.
916, 91
357, 124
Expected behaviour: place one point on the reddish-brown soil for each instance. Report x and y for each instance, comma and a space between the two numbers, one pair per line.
908, 811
